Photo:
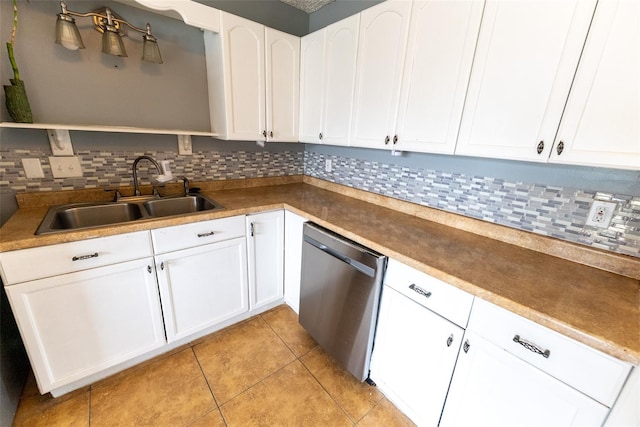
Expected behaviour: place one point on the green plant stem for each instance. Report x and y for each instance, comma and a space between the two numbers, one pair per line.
12, 59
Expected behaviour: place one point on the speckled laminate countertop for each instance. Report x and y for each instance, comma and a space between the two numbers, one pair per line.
509, 268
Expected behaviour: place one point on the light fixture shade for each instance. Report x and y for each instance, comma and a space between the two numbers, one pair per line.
67, 33
112, 42
150, 50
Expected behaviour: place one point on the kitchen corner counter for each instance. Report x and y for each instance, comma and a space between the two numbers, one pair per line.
596, 307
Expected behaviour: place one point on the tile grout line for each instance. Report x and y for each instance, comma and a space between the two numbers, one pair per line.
206, 380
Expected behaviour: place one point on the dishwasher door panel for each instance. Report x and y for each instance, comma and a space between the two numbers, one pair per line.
339, 298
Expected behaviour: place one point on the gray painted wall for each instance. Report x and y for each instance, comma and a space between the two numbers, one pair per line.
88, 87
336, 11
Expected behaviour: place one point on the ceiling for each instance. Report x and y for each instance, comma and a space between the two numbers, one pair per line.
308, 6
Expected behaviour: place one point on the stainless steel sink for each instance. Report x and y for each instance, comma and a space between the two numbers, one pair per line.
87, 215
179, 205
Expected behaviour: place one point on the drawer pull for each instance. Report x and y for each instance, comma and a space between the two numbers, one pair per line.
81, 257
532, 347
419, 290
211, 233
450, 340
466, 346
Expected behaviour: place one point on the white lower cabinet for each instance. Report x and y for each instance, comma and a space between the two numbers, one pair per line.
202, 274
414, 356
293, 224
492, 387
514, 372
416, 345
77, 324
265, 238
202, 286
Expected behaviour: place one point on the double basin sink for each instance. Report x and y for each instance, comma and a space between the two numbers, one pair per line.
86, 215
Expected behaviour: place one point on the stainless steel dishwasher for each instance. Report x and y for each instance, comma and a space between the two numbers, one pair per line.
339, 296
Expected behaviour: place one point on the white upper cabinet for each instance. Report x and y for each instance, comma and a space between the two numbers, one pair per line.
341, 49
311, 85
257, 70
282, 84
327, 78
600, 126
525, 61
382, 43
442, 39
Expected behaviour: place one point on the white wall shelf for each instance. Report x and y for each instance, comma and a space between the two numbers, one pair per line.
97, 128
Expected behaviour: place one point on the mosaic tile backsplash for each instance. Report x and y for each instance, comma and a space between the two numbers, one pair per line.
552, 211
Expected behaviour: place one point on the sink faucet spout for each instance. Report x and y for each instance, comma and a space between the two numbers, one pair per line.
136, 184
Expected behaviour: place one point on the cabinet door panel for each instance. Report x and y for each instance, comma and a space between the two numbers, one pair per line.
311, 84
491, 387
202, 286
266, 258
78, 324
524, 64
442, 38
601, 124
339, 74
243, 44
282, 85
381, 46
412, 362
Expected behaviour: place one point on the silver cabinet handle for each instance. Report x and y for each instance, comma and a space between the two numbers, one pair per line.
532, 347
560, 147
252, 228
395, 139
264, 133
320, 136
540, 147
419, 290
162, 265
466, 346
82, 257
386, 140
271, 134
211, 233
450, 340
149, 268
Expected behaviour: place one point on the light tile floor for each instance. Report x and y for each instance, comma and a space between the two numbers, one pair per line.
265, 371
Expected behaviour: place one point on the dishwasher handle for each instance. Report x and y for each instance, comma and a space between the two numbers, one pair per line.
364, 269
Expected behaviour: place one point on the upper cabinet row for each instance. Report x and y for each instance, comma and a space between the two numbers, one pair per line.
512, 80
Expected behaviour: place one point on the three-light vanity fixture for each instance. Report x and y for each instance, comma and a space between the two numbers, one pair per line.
112, 28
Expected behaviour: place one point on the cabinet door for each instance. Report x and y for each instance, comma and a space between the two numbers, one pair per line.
341, 49
414, 356
311, 84
442, 39
601, 124
282, 85
491, 387
381, 47
293, 258
202, 286
243, 53
77, 324
524, 64
265, 236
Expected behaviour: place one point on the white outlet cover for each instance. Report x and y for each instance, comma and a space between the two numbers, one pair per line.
32, 168
65, 167
601, 213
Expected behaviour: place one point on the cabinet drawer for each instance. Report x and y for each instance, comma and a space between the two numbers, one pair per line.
442, 298
593, 373
36, 263
198, 233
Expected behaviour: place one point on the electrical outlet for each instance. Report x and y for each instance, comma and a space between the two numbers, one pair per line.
328, 167
65, 167
601, 213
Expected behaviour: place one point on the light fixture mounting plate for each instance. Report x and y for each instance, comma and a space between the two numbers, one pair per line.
99, 22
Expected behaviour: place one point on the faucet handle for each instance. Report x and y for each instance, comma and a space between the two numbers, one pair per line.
117, 194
